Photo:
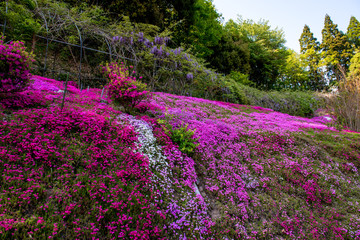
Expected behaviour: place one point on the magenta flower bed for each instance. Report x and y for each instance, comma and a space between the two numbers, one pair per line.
261, 175
72, 175
91, 172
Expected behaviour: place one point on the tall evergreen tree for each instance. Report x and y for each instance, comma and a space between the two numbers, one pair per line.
336, 50
307, 40
353, 32
309, 48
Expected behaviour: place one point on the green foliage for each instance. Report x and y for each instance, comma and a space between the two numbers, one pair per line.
353, 32
182, 18
182, 135
20, 21
354, 69
294, 75
310, 56
267, 50
335, 50
161, 13
298, 103
206, 30
241, 78
237, 91
174, 70
231, 53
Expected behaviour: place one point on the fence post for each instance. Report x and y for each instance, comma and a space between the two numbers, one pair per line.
47, 46
6, 11
81, 52
109, 46
102, 93
63, 100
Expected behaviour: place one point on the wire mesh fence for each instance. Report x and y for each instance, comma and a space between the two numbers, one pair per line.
53, 57
58, 57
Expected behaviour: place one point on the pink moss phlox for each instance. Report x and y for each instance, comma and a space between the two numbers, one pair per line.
245, 155
101, 176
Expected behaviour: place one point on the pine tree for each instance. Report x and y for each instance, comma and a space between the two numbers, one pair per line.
310, 54
336, 50
353, 32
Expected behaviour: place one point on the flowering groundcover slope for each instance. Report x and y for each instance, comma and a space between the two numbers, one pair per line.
268, 175
89, 171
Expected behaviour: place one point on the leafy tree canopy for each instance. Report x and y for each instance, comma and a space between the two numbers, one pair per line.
206, 30
268, 53
355, 66
294, 75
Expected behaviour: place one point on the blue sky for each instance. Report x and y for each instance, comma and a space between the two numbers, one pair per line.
292, 15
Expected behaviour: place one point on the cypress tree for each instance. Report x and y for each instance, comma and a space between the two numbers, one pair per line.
310, 54
353, 32
336, 50
307, 40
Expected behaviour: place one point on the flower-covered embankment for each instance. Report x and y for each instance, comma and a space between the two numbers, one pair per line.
71, 173
268, 175
88, 171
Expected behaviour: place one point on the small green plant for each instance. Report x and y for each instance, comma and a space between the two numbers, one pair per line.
182, 135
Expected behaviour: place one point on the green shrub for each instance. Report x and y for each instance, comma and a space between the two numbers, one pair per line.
241, 78
291, 102
182, 135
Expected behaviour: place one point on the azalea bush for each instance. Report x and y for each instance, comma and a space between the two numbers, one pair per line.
15, 64
124, 89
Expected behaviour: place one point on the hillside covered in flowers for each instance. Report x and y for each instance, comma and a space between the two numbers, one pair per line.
176, 168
